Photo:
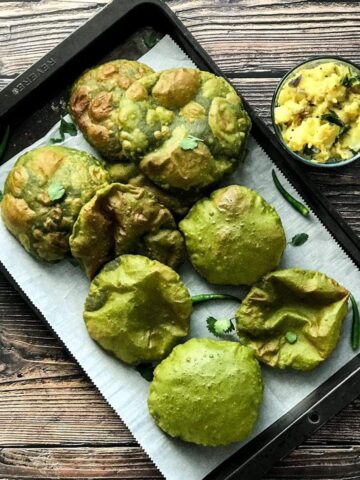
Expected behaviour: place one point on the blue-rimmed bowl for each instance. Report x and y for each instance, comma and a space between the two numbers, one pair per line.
313, 62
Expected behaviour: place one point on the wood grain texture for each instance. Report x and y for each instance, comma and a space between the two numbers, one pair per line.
53, 422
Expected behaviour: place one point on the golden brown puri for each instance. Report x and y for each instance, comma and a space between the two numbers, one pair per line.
137, 309
293, 318
94, 100
185, 127
43, 195
123, 219
178, 203
234, 237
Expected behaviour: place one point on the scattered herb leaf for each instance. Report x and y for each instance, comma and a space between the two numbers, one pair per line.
299, 239
55, 191
295, 82
291, 337
151, 40
355, 328
190, 142
351, 79
65, 128
4, 141
293, 202
333, 117
146, 370
205, 297
219, 327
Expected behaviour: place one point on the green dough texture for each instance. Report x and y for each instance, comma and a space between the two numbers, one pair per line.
94, 102
207, 392
43, 225
234, 237
293, 318
162, 109
125, 219
137, 309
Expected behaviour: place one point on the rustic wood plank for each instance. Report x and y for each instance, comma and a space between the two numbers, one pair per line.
129, 463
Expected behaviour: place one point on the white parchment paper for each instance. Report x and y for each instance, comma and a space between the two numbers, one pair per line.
59, 292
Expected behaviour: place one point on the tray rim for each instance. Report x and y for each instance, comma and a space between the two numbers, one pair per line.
342, 387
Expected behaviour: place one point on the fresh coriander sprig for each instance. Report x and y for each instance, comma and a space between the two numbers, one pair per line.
355, 328
289, 198
190, 142
65, 128
221, 327
55, 191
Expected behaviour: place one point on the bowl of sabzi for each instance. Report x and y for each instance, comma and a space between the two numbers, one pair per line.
129, 218
316, 112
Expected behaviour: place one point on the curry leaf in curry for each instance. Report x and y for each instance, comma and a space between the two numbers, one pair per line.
55, 191
219, 327
299, 239
190, 142
333, 117
295, 82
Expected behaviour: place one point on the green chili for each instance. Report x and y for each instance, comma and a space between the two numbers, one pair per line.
213, 296
4, 142
355, 329
293, 202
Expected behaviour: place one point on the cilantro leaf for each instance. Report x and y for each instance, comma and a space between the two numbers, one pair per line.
299, 239
190, 142
151, 40
291, 337
65, 128
219, 327
146, 370
55, 191
351, 79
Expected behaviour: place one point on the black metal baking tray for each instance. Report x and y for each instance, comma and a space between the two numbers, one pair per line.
29, 104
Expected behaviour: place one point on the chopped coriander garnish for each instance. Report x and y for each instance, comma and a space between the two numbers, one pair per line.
219, 327
291, 337
190, 142
55, 191
151, 40
299, 239
65, 128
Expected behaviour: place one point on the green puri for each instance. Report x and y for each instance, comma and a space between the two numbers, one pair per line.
161, 111
207, 392
293, 318
123, 219
137, 309
43, 195
234, 237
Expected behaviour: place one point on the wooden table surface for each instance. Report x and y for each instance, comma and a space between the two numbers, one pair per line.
53, 422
